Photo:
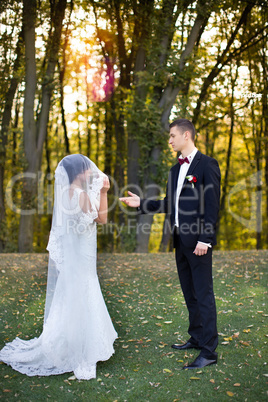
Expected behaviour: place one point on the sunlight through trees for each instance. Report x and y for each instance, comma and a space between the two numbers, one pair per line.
104, 79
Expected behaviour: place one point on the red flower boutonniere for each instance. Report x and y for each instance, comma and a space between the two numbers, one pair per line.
191, 179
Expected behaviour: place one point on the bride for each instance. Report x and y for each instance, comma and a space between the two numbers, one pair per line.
77, 331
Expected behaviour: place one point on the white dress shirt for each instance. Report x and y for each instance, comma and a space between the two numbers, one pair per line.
183, 172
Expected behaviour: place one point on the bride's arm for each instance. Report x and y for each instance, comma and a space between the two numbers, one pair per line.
84, 202
103, 210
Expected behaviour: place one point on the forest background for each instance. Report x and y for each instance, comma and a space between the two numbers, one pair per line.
105, 78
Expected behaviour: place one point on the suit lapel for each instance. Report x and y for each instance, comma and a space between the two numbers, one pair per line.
190, 171
175, 178
192, 166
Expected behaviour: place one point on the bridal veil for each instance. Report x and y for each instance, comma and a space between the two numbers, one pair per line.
77, 331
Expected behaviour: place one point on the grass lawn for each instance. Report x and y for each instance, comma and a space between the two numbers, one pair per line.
145, 302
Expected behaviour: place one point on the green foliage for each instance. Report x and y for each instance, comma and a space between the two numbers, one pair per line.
145, 117
92, 38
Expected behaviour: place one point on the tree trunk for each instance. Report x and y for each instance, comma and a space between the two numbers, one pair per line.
151, 191
257, 131
4, 133
265, 135
119, 171
35, 132
63, 120
14, 139
78, 112
61, 80
258, 199
170, 93
29, 126
88, 123
229, 149
97, 123
166, 235
108, 141
167, 99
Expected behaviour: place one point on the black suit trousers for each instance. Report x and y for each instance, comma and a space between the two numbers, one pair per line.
195, 274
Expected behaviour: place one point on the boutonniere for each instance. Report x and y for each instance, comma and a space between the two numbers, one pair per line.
191, 179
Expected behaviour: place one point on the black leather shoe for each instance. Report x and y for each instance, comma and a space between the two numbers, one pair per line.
187, 345
200, 362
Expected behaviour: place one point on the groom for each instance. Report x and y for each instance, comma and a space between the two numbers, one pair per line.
192, 201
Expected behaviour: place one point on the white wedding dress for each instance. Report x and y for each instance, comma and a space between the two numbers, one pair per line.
78, 331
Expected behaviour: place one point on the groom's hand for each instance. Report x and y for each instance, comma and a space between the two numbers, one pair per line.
133, 201
201, 249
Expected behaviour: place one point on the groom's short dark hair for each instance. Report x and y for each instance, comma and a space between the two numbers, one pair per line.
185, 125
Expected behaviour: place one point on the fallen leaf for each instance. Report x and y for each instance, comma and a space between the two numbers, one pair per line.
237, 384
195, 378
167, 371
244, 343
229, 393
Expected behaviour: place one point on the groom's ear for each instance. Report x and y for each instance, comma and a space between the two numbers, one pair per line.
187, 135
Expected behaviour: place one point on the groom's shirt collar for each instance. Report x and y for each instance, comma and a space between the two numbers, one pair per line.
191, 156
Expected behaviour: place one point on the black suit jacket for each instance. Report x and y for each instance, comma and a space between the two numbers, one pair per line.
198, 205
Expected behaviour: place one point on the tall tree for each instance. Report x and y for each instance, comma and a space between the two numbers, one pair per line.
165, 92
35, 128
5, 125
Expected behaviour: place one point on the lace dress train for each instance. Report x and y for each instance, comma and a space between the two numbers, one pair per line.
78, 331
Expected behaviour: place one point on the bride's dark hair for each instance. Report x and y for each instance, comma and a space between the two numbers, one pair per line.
74, 165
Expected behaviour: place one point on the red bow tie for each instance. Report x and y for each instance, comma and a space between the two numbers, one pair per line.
182, 160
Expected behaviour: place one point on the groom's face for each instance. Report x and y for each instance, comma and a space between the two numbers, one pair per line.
177, 138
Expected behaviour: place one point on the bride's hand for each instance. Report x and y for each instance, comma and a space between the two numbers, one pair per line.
106, 185
132, 201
